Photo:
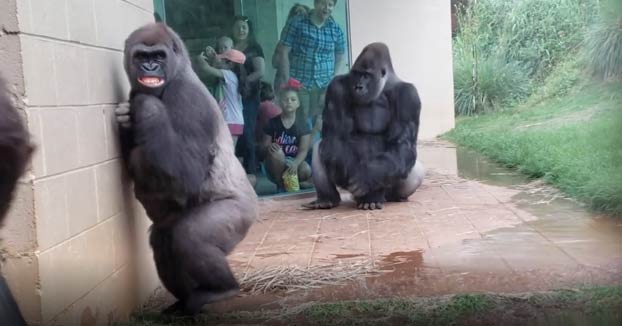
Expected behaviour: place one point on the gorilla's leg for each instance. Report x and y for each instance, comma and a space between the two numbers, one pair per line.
201, 241
408, 186
174, 279
216, 279
327, 194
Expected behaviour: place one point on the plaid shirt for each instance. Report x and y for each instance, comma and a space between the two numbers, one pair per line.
313, 50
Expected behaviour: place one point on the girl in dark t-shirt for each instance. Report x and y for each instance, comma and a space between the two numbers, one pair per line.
286, 141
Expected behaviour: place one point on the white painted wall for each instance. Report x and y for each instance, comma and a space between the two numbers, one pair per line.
418, 33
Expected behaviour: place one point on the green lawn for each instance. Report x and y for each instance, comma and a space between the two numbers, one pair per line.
574, 143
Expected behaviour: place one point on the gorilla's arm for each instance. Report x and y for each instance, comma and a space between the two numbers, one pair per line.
400, 154
163, 148
337, 127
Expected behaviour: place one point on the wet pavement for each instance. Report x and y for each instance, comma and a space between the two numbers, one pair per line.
471, 227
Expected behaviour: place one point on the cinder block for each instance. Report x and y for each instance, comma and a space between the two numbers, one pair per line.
72, 76
39, 72
108, 302
60, 141
49, 18
74, 268
22, 275
91, 135
146, 5
134, 18
18, 233
121, 239
107, 23
63, 276
34, 126
24, 15
99, 253
81, 200
112, 136
110, 85
81, 21
51, 211
109, 189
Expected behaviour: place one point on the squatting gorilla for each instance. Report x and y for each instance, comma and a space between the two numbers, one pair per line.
180, 156
369, 135
15, 151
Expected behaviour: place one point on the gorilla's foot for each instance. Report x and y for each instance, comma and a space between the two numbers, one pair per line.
373, 200
370, 206
176, 308
320, 204
199, 298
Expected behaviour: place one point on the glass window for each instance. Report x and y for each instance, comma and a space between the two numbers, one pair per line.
281, 107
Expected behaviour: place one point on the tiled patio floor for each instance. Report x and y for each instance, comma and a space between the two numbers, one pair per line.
454, 235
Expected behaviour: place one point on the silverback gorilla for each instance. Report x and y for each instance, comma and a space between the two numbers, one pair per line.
180, 156
15, 151
369, 135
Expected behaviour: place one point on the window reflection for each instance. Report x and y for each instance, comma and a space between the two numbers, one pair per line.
292, 50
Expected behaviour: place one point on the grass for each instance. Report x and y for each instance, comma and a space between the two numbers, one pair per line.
601, 305
572, 143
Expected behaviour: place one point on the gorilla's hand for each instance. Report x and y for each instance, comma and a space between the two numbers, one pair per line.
123, 115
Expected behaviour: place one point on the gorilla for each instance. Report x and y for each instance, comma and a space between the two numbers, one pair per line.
15, 152
369, 135
179, 153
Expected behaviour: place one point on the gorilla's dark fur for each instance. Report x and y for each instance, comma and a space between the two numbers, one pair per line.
15, 148
15, 152
369, 135
180, 155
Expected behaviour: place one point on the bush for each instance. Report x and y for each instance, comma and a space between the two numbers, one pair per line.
488, 84
603, 43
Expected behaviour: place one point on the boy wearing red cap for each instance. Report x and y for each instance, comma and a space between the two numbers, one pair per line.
228, 66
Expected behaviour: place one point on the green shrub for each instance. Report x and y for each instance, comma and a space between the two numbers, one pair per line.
487, 84
603, 43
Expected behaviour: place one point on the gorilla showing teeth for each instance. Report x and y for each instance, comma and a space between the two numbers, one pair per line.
369, 135
179, 153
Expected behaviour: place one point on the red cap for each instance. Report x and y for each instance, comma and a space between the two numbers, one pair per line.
233, 55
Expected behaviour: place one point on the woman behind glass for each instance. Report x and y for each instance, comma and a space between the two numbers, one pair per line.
244, 40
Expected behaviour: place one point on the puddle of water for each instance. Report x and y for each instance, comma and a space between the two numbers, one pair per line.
472, 165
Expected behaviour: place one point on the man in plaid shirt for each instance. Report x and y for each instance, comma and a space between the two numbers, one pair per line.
312, 50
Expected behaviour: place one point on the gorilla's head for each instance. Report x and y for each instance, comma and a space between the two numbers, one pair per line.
370, 73
154, 56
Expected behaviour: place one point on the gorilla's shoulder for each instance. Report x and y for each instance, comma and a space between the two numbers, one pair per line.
338, 83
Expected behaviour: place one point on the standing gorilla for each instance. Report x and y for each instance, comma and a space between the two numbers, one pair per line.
180, 155
15, 151
369, 136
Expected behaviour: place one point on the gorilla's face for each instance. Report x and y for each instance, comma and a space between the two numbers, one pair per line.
151, 62
366, 85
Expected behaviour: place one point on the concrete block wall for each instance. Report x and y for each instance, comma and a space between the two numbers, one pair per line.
75, 246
